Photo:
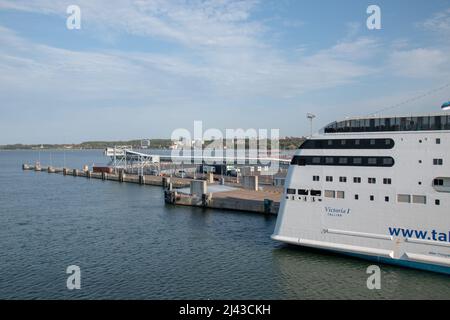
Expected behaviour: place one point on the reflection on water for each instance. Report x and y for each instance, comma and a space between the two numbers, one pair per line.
315, 274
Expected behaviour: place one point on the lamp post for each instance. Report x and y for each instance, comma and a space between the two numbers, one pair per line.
311, 117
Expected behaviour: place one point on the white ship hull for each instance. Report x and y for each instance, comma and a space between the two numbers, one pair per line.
401, 217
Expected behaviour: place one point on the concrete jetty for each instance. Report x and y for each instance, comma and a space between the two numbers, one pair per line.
266, 202
206, 193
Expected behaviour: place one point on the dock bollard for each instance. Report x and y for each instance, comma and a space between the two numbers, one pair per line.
170, 197
165, 182
141, 180
267, 205
121, 175
206, 199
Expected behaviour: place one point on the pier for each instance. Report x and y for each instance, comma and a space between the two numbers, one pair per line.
255, 194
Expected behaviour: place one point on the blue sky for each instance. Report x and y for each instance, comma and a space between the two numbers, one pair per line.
141, 69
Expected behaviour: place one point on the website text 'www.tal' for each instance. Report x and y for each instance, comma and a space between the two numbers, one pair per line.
432, 235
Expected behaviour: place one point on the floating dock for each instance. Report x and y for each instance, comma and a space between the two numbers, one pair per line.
245, 196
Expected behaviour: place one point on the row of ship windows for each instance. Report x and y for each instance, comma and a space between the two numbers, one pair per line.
342, 161
401, 198
348, 144
355, 179
353, 143
351, 161
436, 182
391, 124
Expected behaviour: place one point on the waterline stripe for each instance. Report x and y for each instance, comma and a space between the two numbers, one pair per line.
428, 259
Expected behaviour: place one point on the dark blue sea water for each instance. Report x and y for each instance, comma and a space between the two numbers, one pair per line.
130, 245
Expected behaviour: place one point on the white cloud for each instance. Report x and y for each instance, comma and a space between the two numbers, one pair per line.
440, 23
226, 53
221, 23
356, 49
219, 71
420, 63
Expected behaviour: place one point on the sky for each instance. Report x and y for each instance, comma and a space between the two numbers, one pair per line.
143, 68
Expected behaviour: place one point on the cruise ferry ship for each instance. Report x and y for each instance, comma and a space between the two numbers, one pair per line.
376, 188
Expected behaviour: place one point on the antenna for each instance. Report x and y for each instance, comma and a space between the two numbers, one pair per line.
311, 117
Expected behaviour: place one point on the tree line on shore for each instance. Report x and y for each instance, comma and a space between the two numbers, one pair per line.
287, 143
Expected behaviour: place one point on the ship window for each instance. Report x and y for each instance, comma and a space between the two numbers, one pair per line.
343, 142
388, 161
437, 202
330, 142
329, 179
438, 162
438, 141
342, 179
357, 142
330, 194
290, 191
420, 199
387, 181
329, 160
386, 199
433, 123
372, 180
445, 123
357, 180
356, 196
404, 198
299, 161
388, 142
340, 194
357, 161
316, 178
303, 192
372, 161
372, 142
316, 160
316, 193
438, 182
372, 198
424, 123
